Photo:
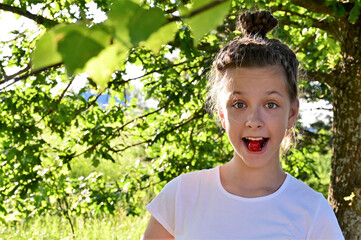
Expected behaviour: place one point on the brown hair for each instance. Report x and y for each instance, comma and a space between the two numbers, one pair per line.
254, 49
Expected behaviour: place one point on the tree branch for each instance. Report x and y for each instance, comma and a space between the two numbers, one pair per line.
38, 19
117, 83
82, 109
197, 11
317, 6
26, 75
196, 115
50, 111
305, 43
318, 76
121, 128
12, 76
129, 146
321, 24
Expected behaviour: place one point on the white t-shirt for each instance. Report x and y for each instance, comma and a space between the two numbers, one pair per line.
196, 206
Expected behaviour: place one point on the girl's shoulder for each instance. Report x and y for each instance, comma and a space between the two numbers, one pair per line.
191, 180
300, 190
199, 174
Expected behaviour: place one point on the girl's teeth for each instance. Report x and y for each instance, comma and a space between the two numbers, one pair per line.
255, 139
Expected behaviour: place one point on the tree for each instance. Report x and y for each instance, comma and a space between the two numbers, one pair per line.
178, 135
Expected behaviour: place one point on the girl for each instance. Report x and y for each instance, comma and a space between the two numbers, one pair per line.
254, 91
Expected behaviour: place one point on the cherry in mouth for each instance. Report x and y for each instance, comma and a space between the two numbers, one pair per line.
255, 145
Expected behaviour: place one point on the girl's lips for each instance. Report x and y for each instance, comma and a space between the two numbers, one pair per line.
255, 145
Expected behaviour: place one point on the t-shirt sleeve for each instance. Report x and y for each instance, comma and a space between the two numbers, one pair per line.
163, 206
325, 225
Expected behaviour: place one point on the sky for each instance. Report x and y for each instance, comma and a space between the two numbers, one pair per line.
309, 112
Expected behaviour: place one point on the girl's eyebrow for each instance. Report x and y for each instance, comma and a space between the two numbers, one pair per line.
270, 92
237, 92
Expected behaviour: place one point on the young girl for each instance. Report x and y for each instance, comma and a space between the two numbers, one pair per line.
254, 90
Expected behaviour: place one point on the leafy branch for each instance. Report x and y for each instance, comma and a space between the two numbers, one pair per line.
121, 128
12, 76
163, 134
319, 76
321, 24
305, 43
117, 83
197, 11
317, 6
196, 115
129, 146
22, 12
25, 76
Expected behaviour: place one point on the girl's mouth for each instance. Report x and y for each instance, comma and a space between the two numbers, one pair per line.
255, 144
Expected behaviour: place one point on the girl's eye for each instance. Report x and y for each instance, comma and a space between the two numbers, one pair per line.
239, 105
271, 105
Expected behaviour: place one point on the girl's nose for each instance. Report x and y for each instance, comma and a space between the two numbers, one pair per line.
254, 120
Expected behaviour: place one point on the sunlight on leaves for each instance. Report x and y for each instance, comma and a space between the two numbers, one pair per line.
162, 36
205, 21
101, 67
46, 53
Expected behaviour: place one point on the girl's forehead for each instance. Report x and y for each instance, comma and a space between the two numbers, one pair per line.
256, 79
274, 71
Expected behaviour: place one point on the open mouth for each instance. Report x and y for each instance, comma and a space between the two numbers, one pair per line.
255, 144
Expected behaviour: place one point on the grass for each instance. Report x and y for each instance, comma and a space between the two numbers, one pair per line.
106, 226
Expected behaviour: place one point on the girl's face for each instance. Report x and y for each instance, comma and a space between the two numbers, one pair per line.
255, 109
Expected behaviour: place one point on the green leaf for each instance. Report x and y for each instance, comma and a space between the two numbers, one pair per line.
101, 67
338, 9
76, 49
261, 5
144, 22
250, 4
162, 36
45, 53
354, 14
205, 21
119, 17
95, 160
197, 4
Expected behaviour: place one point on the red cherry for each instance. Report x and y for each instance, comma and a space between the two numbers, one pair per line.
254, 145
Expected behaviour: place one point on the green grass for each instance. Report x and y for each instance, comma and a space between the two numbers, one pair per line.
106, 226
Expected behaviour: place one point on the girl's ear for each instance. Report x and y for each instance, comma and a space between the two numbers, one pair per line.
293, 113
221, 116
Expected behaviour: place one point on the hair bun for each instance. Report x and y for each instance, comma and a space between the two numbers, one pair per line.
257, 23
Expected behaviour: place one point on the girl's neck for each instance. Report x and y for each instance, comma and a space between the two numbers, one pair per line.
243, 181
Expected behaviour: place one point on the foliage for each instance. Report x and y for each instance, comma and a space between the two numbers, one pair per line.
310, 159
44, 130
104, 226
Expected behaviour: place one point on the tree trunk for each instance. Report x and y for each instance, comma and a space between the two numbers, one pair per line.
345, 187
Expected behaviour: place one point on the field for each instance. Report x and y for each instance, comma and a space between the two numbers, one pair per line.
106, 226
